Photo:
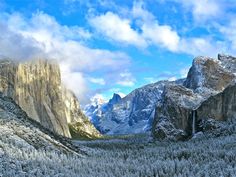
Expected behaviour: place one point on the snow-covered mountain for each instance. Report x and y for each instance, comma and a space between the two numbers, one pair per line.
94, 110
205, 100
132, 114
165, 100
98, 107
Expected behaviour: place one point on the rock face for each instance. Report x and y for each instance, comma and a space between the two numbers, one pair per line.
79, 124
221, 106
115, 99
36, 87
208, 74
131, 114
207, 93
173, 113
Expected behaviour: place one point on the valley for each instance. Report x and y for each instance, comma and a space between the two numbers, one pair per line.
126, 156
102, 88
170, 128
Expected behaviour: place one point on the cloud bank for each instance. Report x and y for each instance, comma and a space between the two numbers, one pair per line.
149, 32
41, 36
131, 28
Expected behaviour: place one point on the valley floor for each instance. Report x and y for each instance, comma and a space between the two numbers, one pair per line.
127, 156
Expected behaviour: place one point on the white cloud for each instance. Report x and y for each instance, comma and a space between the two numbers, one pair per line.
14, 45
148, 31
42, 36
98, 99
138, 11
154, 33
161, 35
120, 30
200, 46
229, 33
117, 29
126, 79
76, 82
99, 81
172, 79
126, 83
166, 37
203, 10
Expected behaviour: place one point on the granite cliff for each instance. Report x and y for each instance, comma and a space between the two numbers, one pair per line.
36, 87
207, 93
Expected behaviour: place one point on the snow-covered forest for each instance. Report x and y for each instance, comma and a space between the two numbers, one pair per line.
128, 156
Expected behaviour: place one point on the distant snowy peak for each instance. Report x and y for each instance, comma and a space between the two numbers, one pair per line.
94, 106
115, 99
97, 100
132, 114
98, 106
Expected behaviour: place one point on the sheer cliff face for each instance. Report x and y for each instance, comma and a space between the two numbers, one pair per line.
36, 87
221, 106
209, 74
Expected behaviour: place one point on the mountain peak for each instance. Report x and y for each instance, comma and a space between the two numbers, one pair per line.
115, 99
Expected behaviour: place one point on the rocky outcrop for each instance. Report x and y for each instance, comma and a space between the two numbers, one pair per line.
173, 113
36, 86
208, 75
204, 95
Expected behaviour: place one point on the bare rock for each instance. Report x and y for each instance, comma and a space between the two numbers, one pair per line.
175, 111
208, 73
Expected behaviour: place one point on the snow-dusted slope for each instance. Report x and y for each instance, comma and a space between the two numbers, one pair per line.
20, 131
131, 114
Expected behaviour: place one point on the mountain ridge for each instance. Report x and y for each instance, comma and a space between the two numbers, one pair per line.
125, 117
138, 111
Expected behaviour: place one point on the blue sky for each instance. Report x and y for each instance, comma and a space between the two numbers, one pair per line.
116, 46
